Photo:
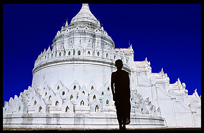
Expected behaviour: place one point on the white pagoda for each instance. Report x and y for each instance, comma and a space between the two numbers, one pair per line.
71, 86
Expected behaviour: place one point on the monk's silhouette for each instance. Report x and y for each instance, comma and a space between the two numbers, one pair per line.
121, 94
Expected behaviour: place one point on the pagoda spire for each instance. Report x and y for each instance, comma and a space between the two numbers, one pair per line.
85, 4
85, 15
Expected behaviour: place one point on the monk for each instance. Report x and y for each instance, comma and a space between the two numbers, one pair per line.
121, 94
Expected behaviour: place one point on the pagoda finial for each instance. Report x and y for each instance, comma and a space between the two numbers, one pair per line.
85, 4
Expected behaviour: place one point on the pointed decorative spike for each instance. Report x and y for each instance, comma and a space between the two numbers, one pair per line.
58, 32
66, 24
178, 80
48, 48
130, 46
15, 96
196, 93
11, 98
162, 71
184, 85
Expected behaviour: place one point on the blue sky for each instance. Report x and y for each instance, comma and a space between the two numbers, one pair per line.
169, 35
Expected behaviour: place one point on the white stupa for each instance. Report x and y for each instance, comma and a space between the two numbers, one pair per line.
71, 86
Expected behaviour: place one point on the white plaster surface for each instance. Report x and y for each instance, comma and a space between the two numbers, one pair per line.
71, 86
